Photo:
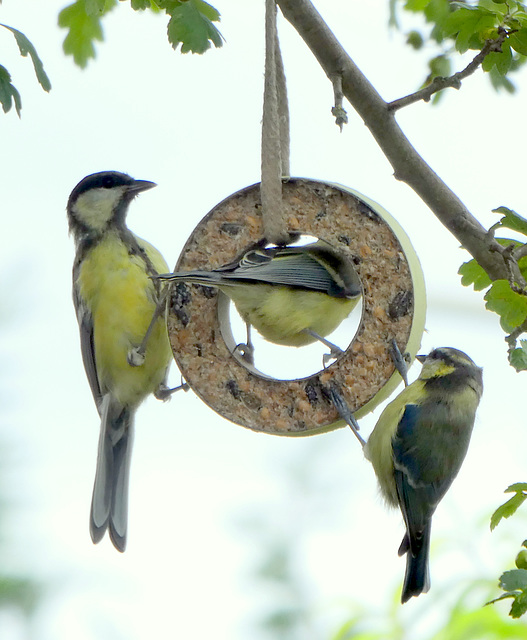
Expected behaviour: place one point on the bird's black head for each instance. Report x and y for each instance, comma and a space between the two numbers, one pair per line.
102, 199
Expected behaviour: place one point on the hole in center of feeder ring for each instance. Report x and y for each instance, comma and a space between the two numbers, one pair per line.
282, 362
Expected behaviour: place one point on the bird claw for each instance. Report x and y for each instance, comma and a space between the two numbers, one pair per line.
399, 360
164, 393
345, 413
135, 357
334, 353
245, 352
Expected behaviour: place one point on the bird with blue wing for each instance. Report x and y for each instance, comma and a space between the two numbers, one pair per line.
418, 446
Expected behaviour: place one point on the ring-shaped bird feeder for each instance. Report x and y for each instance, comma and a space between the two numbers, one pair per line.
393, 308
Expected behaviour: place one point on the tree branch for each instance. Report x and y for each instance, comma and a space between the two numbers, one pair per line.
453, 81
407, 163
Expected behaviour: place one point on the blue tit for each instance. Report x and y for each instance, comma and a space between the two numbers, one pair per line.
115, 300
291, 295
418, 446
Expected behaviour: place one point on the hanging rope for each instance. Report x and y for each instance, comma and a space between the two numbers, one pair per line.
275, 134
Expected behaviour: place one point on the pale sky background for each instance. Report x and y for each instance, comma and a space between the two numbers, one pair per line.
192, 124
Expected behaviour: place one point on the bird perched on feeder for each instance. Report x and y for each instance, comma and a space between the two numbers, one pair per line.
291, 295
417, 448
123, 335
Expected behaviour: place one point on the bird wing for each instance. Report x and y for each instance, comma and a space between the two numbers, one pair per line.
294, 269
418, 499
85, 320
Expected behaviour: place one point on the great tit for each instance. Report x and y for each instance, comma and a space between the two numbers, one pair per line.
291, 295
115, 300
417, 448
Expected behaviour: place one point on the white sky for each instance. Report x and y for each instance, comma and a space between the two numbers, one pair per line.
192, 124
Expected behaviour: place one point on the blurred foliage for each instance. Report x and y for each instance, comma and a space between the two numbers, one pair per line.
510, 507
450, 28
452, 611
513, 582
287, 610
463, 622
507, 298
19, 593
8, 92
190, 25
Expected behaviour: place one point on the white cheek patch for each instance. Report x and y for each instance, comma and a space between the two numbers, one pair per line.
95, 207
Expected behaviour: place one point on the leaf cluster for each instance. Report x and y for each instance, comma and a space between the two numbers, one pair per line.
190, 26
507, 298
513, 582
460, 26
8, 92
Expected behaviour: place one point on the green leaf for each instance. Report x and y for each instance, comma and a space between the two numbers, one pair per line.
501, 82
415, 40
507, 509
516, 487
208, 11
440, 66
521, 559
519, 605
518, 357
496, 6
502, 597
509, 305
462, 5
416, 5
514, 580
141, 5
510, 507
191, 26
512, 220
470, 26
501, 60
504, 60
26, 48
473, 274
518, 41
8, 92
95, 7
83, 30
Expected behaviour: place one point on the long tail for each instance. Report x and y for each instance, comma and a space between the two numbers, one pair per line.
417, 576
109, 507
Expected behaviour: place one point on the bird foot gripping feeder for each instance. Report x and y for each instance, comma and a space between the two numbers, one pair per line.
393, 308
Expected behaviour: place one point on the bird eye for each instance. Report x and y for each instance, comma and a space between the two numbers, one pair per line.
107, 182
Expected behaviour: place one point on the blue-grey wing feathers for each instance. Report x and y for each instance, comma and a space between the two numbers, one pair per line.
309, 267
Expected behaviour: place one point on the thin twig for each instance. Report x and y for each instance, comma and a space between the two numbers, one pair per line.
515, 277
514, 335
520, 252
453, 81
341, 117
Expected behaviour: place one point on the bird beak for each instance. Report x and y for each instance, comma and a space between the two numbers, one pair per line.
140, 185
421, 357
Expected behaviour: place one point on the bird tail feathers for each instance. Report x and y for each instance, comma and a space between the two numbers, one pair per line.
206, 278
417, 576
109, 508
